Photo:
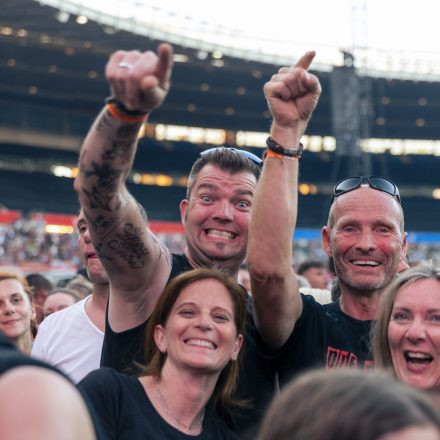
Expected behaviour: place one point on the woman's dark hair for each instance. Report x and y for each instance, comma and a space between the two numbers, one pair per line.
223, 393
346, 405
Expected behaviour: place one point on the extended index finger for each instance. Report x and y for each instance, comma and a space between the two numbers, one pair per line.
306, 60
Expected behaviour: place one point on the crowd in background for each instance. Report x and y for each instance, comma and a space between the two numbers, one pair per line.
26, 240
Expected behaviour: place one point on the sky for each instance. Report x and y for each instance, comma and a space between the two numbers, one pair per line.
400, 35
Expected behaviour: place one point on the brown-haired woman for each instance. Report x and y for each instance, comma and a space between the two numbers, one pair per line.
194, 338
16, 311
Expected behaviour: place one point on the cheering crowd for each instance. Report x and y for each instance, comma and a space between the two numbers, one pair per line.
169, 346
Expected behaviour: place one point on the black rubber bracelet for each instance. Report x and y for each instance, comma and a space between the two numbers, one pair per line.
121, 107
290, 152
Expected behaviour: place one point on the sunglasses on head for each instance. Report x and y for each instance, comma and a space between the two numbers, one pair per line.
244, 153
375, 182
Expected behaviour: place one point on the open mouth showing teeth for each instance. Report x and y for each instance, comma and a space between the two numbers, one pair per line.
418, 358
365, 263
201, 343
213, 233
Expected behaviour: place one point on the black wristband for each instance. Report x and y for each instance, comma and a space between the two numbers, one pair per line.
290, 152
121, 107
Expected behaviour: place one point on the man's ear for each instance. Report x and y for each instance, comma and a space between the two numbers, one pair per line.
405, 245
326, 232
183, 207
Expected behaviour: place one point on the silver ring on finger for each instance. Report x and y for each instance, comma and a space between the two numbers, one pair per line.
124, 65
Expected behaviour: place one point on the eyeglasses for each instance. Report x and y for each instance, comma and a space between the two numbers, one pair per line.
244, 153
375, 182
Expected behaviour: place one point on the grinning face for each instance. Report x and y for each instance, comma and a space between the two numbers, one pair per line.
365, 240
414, 333
16, 310
200, 333
57, 301
92, 263
216, 218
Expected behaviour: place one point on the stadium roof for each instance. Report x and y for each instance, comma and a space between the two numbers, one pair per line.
51, 78
388, 38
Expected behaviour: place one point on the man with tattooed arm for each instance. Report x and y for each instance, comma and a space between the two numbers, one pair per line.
215, 215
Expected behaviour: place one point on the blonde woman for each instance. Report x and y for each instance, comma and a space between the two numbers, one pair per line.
406, 338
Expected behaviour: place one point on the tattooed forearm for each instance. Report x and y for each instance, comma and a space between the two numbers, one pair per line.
107, 175
128, 245
128, 132
104, 225
118, 150
103, 123
99, 199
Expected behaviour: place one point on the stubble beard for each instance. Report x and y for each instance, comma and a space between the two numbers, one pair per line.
366, 287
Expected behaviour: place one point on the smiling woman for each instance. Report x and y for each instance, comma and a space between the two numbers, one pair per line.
406, 337
16, 311
194, 337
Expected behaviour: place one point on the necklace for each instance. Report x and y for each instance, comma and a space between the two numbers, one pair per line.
189, 427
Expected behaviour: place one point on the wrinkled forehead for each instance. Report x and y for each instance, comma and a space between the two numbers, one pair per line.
211, 175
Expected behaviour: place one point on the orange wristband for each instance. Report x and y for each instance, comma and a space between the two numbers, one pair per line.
113, 109
271, 153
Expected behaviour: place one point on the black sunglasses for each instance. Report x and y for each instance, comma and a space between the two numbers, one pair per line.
244, 153
375, 182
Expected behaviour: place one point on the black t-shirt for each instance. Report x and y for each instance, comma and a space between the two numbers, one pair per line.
125, 412
10, 357
256, 381
123, 350
324, 336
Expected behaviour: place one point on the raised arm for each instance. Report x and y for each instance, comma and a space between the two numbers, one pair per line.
138, 266
292, 95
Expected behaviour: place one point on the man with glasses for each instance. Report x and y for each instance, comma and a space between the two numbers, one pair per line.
364, 236
215, 215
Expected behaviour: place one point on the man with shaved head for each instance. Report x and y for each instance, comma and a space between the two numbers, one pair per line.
364, 236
